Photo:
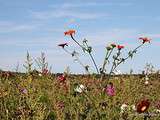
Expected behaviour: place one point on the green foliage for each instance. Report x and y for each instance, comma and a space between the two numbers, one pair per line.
51, 116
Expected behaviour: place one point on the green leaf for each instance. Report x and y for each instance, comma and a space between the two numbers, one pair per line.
89, 50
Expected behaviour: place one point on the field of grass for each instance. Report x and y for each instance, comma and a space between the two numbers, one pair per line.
36, 96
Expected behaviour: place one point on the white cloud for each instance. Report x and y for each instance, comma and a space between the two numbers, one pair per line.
153, 35
71, 10
79, 10
67, 13
6, 26
91, 4
45, 42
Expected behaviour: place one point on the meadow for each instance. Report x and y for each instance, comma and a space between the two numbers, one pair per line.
36, 96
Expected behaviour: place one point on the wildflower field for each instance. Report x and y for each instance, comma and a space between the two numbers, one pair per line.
103, 95
52, 97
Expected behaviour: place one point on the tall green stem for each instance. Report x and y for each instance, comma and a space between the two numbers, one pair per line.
91, 56
78, 60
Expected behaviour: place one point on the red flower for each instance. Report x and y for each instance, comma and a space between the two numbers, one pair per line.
70, 32
63, 45
143, 106
145, 39
120, 47
62, 78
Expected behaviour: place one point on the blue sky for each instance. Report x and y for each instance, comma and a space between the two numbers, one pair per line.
38, 26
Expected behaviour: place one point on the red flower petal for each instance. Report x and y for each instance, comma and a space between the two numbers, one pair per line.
70, 32
120, 47
145, 39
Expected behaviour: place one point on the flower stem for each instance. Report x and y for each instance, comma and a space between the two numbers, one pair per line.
77, 58
87, 51
94, 63
128, 56
77, 43
105, 61
108, 54
114, 64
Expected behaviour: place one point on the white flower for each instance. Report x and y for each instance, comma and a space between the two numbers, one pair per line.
40, 74
123, 107
158, 110
146, 82
79, 88
146, 77
133, 107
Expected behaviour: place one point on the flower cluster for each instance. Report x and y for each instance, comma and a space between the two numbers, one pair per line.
117, 60
113, 55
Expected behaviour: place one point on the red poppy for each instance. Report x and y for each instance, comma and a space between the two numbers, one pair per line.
142, 106
63, 45
145, 39
120, 47
70, 32
62, 78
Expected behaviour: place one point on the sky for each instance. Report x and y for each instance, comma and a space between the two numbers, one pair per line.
38, 26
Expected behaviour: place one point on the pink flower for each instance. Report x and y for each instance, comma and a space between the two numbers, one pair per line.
110, 90
24, 91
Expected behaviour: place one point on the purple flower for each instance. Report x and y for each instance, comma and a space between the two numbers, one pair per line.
24, 91
110, 90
